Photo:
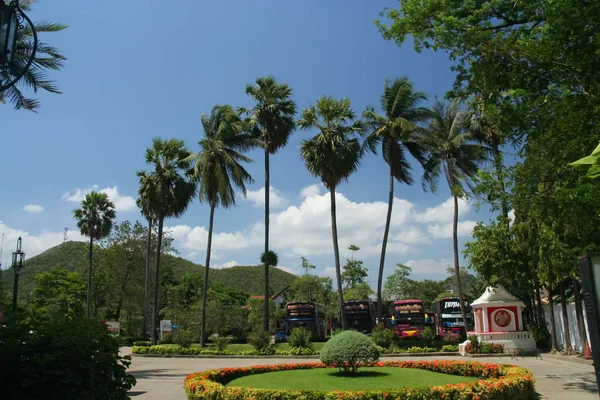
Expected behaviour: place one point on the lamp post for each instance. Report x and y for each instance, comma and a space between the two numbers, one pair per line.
17, 264
11, 54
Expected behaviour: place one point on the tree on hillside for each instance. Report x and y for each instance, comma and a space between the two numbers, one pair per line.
332, 155
272, 121
35, 78
95, 220
61, 289
169, 191
354, 273
218, 168
395, 284
454, 155
397, 132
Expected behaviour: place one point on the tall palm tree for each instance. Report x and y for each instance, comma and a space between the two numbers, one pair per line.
143, 203
218, 169
397, 132
167, 192
273, 122
454, 154
35, 78
333, 155
94, 219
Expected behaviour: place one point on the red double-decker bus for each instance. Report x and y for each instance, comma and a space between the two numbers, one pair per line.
409, 318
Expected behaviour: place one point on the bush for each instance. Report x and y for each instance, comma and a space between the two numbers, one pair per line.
300, 337
300, 351
491, 348
125, 340
58, 357
166, 339
449, 348
164, 350
497, 382
451, 338
336, 331
428, 336
142, 343
221, 342
184, 338
417, 349
259, 339
542, 336
383, 337
348, 351
474, 339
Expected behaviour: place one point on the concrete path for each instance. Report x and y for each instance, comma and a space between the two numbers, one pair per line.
162, 378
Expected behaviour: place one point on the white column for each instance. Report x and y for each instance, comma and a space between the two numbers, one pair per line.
486, 327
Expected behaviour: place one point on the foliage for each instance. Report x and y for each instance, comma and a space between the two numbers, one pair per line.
417, 349
449, 348
271, 258
47, 58
255, 316
55, 357
165, 350
315, 288
300, 337
220, 342
142, 343
484, 348
184, 338
259, 339
541, 336
354, 273
306, 265
59, 289
451, 338
474, 339
166, 339
301, 351
497, 382
361, 291
348, 351
96, 216
383, 337
428, 335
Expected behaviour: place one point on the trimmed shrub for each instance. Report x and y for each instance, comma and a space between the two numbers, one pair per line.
142, 343
428, 336
299, 351
474, 339
417, 349
260, 339
220, 342
451, 338
491, 348
184, 338
166, 339
383, 337
300, 337
348, 351
449, 348
498, 382
164, 350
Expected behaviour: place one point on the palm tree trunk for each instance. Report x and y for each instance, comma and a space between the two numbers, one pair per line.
459, 291
579, 313
267, 193
386, 232
156, 280
89, 286
498, 166
206, 268
336, 254
538, 299
147, 281
552, 321
565, 318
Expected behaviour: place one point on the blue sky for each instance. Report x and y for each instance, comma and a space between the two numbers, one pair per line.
141, 69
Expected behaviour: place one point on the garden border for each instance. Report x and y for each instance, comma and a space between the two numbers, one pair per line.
502, 382
308, 357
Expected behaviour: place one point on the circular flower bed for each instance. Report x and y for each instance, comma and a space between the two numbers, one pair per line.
498, 382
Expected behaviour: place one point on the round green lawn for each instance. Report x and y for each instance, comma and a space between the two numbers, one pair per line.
375, 378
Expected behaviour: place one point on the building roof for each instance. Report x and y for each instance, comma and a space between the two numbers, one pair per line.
495, 295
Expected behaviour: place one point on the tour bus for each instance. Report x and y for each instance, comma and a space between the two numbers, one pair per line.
408, 318
449, 317
306, 314
360, 315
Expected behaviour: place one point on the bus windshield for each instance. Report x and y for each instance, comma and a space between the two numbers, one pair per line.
409, 314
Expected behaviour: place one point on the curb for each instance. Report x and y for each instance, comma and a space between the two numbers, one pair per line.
312, 357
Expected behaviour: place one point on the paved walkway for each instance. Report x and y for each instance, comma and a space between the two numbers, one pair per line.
162, 378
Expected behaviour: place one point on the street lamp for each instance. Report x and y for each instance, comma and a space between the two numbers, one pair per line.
17, 264
11, 21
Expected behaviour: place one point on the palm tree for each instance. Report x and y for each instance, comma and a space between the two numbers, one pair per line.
333, 155
273, 122
455, 154
167, 192
218, 169
143, 202
35, 78
397, 132
94, 219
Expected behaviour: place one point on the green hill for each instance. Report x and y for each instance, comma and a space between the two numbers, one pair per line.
72, 256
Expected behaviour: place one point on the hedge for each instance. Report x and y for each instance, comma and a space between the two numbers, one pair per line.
499, 382
192, 351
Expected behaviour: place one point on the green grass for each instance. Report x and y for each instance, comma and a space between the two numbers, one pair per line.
378, 378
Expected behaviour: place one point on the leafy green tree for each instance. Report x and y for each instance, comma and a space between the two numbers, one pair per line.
333, 155
272, 120
61, 289
361, 291
354, 273
95, 220
395, 284
218, 167
455, 156
35, 78
397, 132
306, 265
169, 191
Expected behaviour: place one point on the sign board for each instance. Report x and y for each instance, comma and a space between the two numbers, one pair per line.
166, 328
114, 327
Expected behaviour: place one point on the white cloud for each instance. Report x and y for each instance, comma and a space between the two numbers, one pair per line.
33, 208
225, 265
258, 198
443, 212
122, 203
443, 231
32, 245
311, 190
290, 270
429, 267
329, 272
511, 217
